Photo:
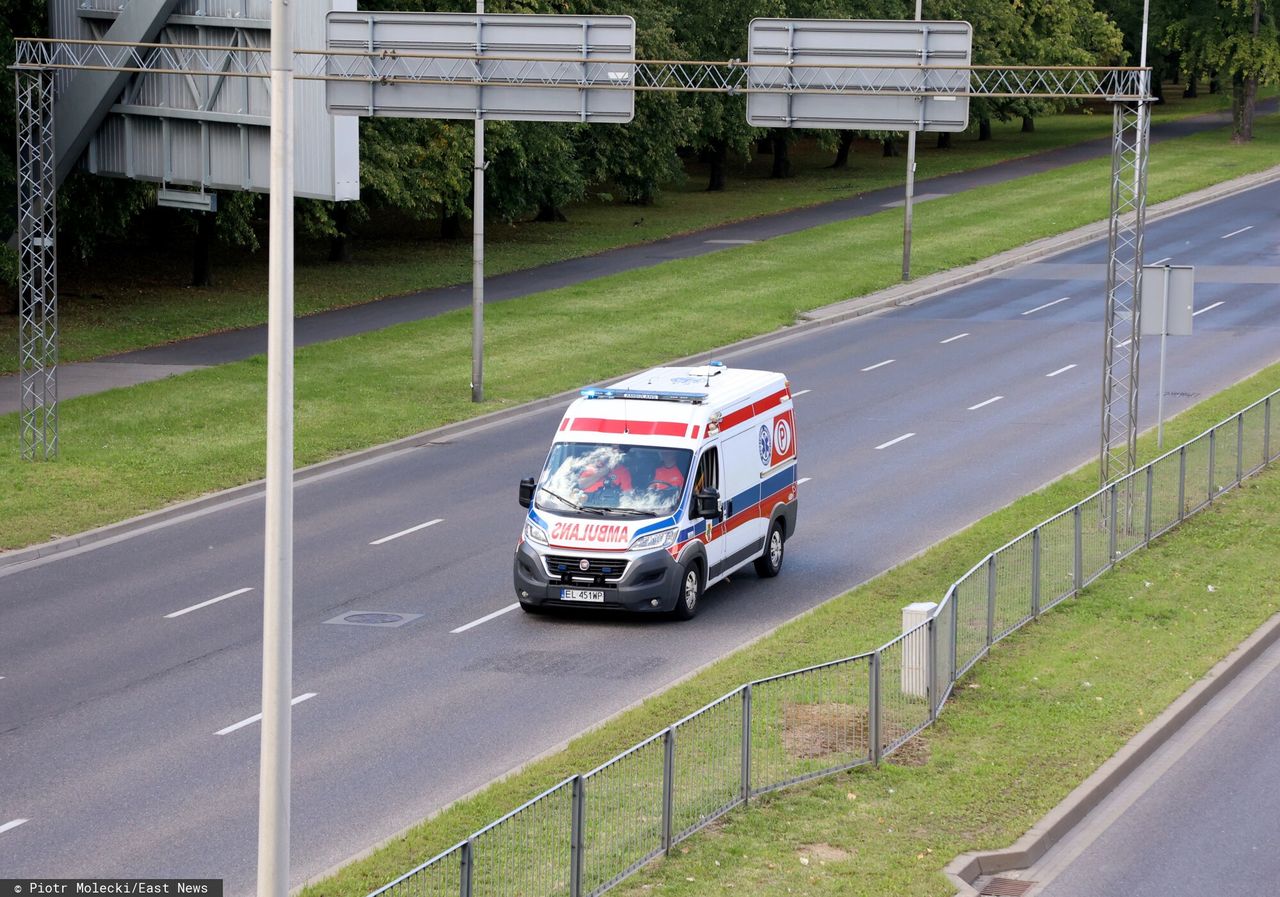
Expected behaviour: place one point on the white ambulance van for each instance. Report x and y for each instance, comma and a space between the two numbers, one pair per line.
658, 487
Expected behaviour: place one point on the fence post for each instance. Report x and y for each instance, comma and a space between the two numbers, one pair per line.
1035, 572
1266, 432
1239, 447
1182, 483
931, 685
991, 600
668, 783
746, 742
464, 872
875, 708
1151, 485
1079, 551
955, 636
1212, 460
1114, 529
575, 837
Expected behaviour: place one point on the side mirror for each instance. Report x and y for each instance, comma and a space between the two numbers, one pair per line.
706, 504
527, 486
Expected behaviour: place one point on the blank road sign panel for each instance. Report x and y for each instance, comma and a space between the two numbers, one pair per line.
859, 74
1179, 314
470, 66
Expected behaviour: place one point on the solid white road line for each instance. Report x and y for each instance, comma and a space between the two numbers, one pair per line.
187, 610
1167, 258
12, 823
799, 482
1032, 311
1234, 232
486, 618
986, 403
1060, 371
257, 716
885, 445
879, 364
800, 393
952, 339
405, 532
1205, 309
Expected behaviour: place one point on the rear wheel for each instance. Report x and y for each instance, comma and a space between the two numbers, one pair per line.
690, 591
770, 563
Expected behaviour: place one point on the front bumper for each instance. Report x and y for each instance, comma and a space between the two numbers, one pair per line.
653, 576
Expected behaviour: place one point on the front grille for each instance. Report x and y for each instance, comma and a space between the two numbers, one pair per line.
567, 569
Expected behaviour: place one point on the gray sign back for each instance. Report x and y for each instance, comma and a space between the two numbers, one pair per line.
859, 74
556, 68
1182, 281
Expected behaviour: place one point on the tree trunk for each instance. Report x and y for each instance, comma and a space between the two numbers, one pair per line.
842, 151
201, 273
9, 300
781, 157
549, 213
1246, 91
984, 129
944, 140
450, 225
339, 248
1191, 91
1028, 124
890, 148
717, 155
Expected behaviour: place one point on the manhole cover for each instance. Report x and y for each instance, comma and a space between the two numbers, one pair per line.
379, 619
1006, 887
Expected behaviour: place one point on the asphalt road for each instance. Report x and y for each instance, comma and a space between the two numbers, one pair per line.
126, 735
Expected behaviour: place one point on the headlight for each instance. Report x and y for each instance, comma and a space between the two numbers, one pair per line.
535, 533
662, 539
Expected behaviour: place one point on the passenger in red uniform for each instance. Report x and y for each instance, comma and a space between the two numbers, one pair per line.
668, 474
594, 478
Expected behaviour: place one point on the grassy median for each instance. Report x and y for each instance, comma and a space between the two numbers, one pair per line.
1025, 726
131, 450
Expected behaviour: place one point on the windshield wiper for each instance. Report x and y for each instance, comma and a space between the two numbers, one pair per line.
632, 512
572, 504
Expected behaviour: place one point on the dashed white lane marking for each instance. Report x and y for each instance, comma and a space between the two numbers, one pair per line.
485, 619
1167, 258
1205, 309
1234, 232
405, 532
952, 339
1032, 311
12, 823
800, 393
258, 716
878, 364
885, 445
803, 480
187, 610
986, 403
1060, 371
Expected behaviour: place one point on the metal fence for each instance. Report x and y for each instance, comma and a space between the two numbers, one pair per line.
591, 831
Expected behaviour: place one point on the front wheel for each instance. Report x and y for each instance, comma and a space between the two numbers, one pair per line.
690, 591
769, 564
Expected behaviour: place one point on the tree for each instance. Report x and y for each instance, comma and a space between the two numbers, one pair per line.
1236, 37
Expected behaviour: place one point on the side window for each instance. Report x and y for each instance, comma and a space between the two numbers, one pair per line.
707, 476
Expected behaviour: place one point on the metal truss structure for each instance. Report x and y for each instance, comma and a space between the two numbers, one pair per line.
1126, 88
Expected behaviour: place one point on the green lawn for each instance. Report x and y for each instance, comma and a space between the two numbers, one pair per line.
141, 298
1025, 726
132, 450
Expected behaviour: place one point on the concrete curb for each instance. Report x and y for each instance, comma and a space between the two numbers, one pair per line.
965, 869
901, 294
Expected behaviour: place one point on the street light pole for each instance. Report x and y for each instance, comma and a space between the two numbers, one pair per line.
277, 591
911, 173
477, 237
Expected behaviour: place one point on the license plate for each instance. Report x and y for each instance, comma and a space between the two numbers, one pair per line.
596, 595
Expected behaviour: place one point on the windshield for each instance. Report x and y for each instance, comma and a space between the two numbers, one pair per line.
621, 479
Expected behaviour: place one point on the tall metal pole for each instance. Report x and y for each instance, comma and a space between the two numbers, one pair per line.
911, 170
477, 238
277, 608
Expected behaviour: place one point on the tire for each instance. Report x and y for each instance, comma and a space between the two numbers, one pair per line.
769, 564
690, 597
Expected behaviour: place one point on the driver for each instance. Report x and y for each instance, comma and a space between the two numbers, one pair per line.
594, 477
668, 471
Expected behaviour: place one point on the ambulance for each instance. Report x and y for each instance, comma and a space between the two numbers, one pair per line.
657, 488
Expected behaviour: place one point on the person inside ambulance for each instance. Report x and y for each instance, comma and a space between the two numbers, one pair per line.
604, 478
668, 475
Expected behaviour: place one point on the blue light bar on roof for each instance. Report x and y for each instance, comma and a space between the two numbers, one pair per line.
694, 398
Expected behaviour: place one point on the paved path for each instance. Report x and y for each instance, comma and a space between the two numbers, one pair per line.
157, 362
